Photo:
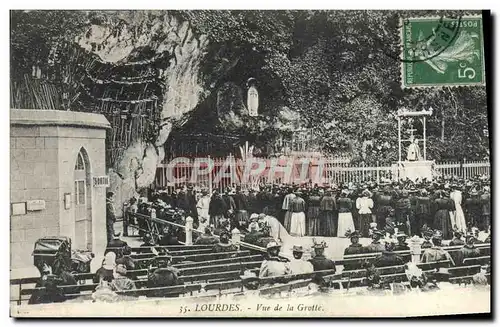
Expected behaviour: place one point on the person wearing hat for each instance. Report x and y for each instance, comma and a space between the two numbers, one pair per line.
203, 223
224, 245
469, 250
481, 278
121, 282
181, 201
229, 204
254, 222
384, 206
216, 208
265, 199
298, 218
148, 240
116, 245
375, 245
273, 265
107, 270
128, 214
286, 207
319, 261
224, 226
346, 222
403, 211
264, 237
422, 212
388, 257
164, 275
475, 231
485, 201
329, 216
488, 238
458, 217
203, 206
457, 238
253, 205
473, 208
401, 245
241, 208
364, 204
427, 235
298, 265
207, 237
110, 216
442, 218
436, 252
191, 202
313, 213
253, 235
127, 259
47, 290
353, 248
250, 282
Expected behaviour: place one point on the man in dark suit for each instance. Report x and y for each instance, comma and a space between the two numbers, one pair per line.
110, 215
320, 262
163, 276
376, 245
116, 245
388, 257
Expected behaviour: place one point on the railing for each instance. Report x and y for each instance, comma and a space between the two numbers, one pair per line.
465, 169
320, 170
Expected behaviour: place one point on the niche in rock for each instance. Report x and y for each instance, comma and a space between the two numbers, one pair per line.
230, 100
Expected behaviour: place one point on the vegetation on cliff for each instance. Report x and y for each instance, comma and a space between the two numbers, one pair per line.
339, 70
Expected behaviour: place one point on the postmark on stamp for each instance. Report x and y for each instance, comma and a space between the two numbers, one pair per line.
440, 51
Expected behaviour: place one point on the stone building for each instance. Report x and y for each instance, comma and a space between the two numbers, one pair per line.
57, 180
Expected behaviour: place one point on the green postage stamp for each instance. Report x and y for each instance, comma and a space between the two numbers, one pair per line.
440, 51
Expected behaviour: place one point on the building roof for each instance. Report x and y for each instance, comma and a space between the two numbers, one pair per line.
57, 118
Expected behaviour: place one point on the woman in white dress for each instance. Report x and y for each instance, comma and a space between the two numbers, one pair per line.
457, 216
202, 207
346, 222
298, 218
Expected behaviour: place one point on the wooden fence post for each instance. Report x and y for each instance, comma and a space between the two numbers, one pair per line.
189, 231
378, 172
125, 216
415, 249
236, 237
210, 177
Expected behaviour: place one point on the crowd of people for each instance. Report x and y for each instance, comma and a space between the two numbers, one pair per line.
448, 204
388, 213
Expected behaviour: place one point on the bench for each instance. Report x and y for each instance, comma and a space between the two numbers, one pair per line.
466, 279
218, 268
223, 275
148, 249
407, 253
464, 270
247, 258
174, 253
483, 260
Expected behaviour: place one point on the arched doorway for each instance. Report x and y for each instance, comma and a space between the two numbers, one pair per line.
83, 202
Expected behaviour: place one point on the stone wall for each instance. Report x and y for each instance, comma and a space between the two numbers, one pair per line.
34, 170
44, 147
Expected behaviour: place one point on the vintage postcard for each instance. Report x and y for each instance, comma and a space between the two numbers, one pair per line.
254, 163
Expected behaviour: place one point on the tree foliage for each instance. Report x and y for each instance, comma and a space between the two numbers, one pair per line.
338, 69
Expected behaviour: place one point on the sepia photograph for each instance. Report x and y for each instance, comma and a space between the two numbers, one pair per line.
250, 163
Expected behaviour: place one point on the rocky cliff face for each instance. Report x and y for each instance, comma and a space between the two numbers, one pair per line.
117, 37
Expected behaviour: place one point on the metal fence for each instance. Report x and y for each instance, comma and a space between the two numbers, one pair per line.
318, 170
465, 169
